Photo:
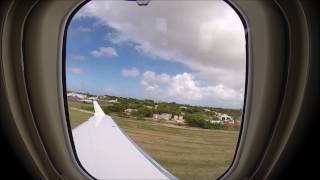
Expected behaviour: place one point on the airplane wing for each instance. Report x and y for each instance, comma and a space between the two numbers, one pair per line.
106, 152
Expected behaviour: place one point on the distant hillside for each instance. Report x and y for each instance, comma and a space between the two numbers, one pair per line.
161, 107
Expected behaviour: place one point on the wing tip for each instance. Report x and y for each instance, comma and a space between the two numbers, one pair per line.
97, 109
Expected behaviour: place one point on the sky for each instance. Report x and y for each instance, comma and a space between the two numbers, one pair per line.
190, 52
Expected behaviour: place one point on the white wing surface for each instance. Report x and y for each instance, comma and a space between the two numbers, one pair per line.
106, 152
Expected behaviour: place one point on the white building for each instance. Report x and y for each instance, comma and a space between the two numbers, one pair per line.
215, 122
113, 101
93, 98
155, 116
149, 107
165, 116
224, 117
129, 110
77, 95
88, 101
176, 117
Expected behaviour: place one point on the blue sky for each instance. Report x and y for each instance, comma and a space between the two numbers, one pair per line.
102, 75
146, 54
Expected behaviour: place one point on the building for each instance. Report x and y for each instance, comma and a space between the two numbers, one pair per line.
216, 122
165, 116
77, 95
149, 107
183, 107
129, 110
93, 98
113, 101
177, 117
155, 116
224, 117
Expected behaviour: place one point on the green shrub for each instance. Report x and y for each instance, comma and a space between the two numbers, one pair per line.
201, 120
115, 108
143, 112
197, 120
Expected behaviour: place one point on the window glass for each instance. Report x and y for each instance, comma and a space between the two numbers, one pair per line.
171, 75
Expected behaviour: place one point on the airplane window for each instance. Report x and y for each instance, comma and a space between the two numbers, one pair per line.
155, 91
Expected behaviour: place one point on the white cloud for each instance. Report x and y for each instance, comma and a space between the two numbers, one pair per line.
152, 77
206, 36
185, 88
104, 52
133, 72
204, 33
76, 70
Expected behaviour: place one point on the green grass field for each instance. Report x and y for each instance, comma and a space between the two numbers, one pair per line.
77, 117
188, 153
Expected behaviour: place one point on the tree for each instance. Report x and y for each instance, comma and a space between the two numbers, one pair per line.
201, 120
168, 108
143, 112
114, 108
197, 120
